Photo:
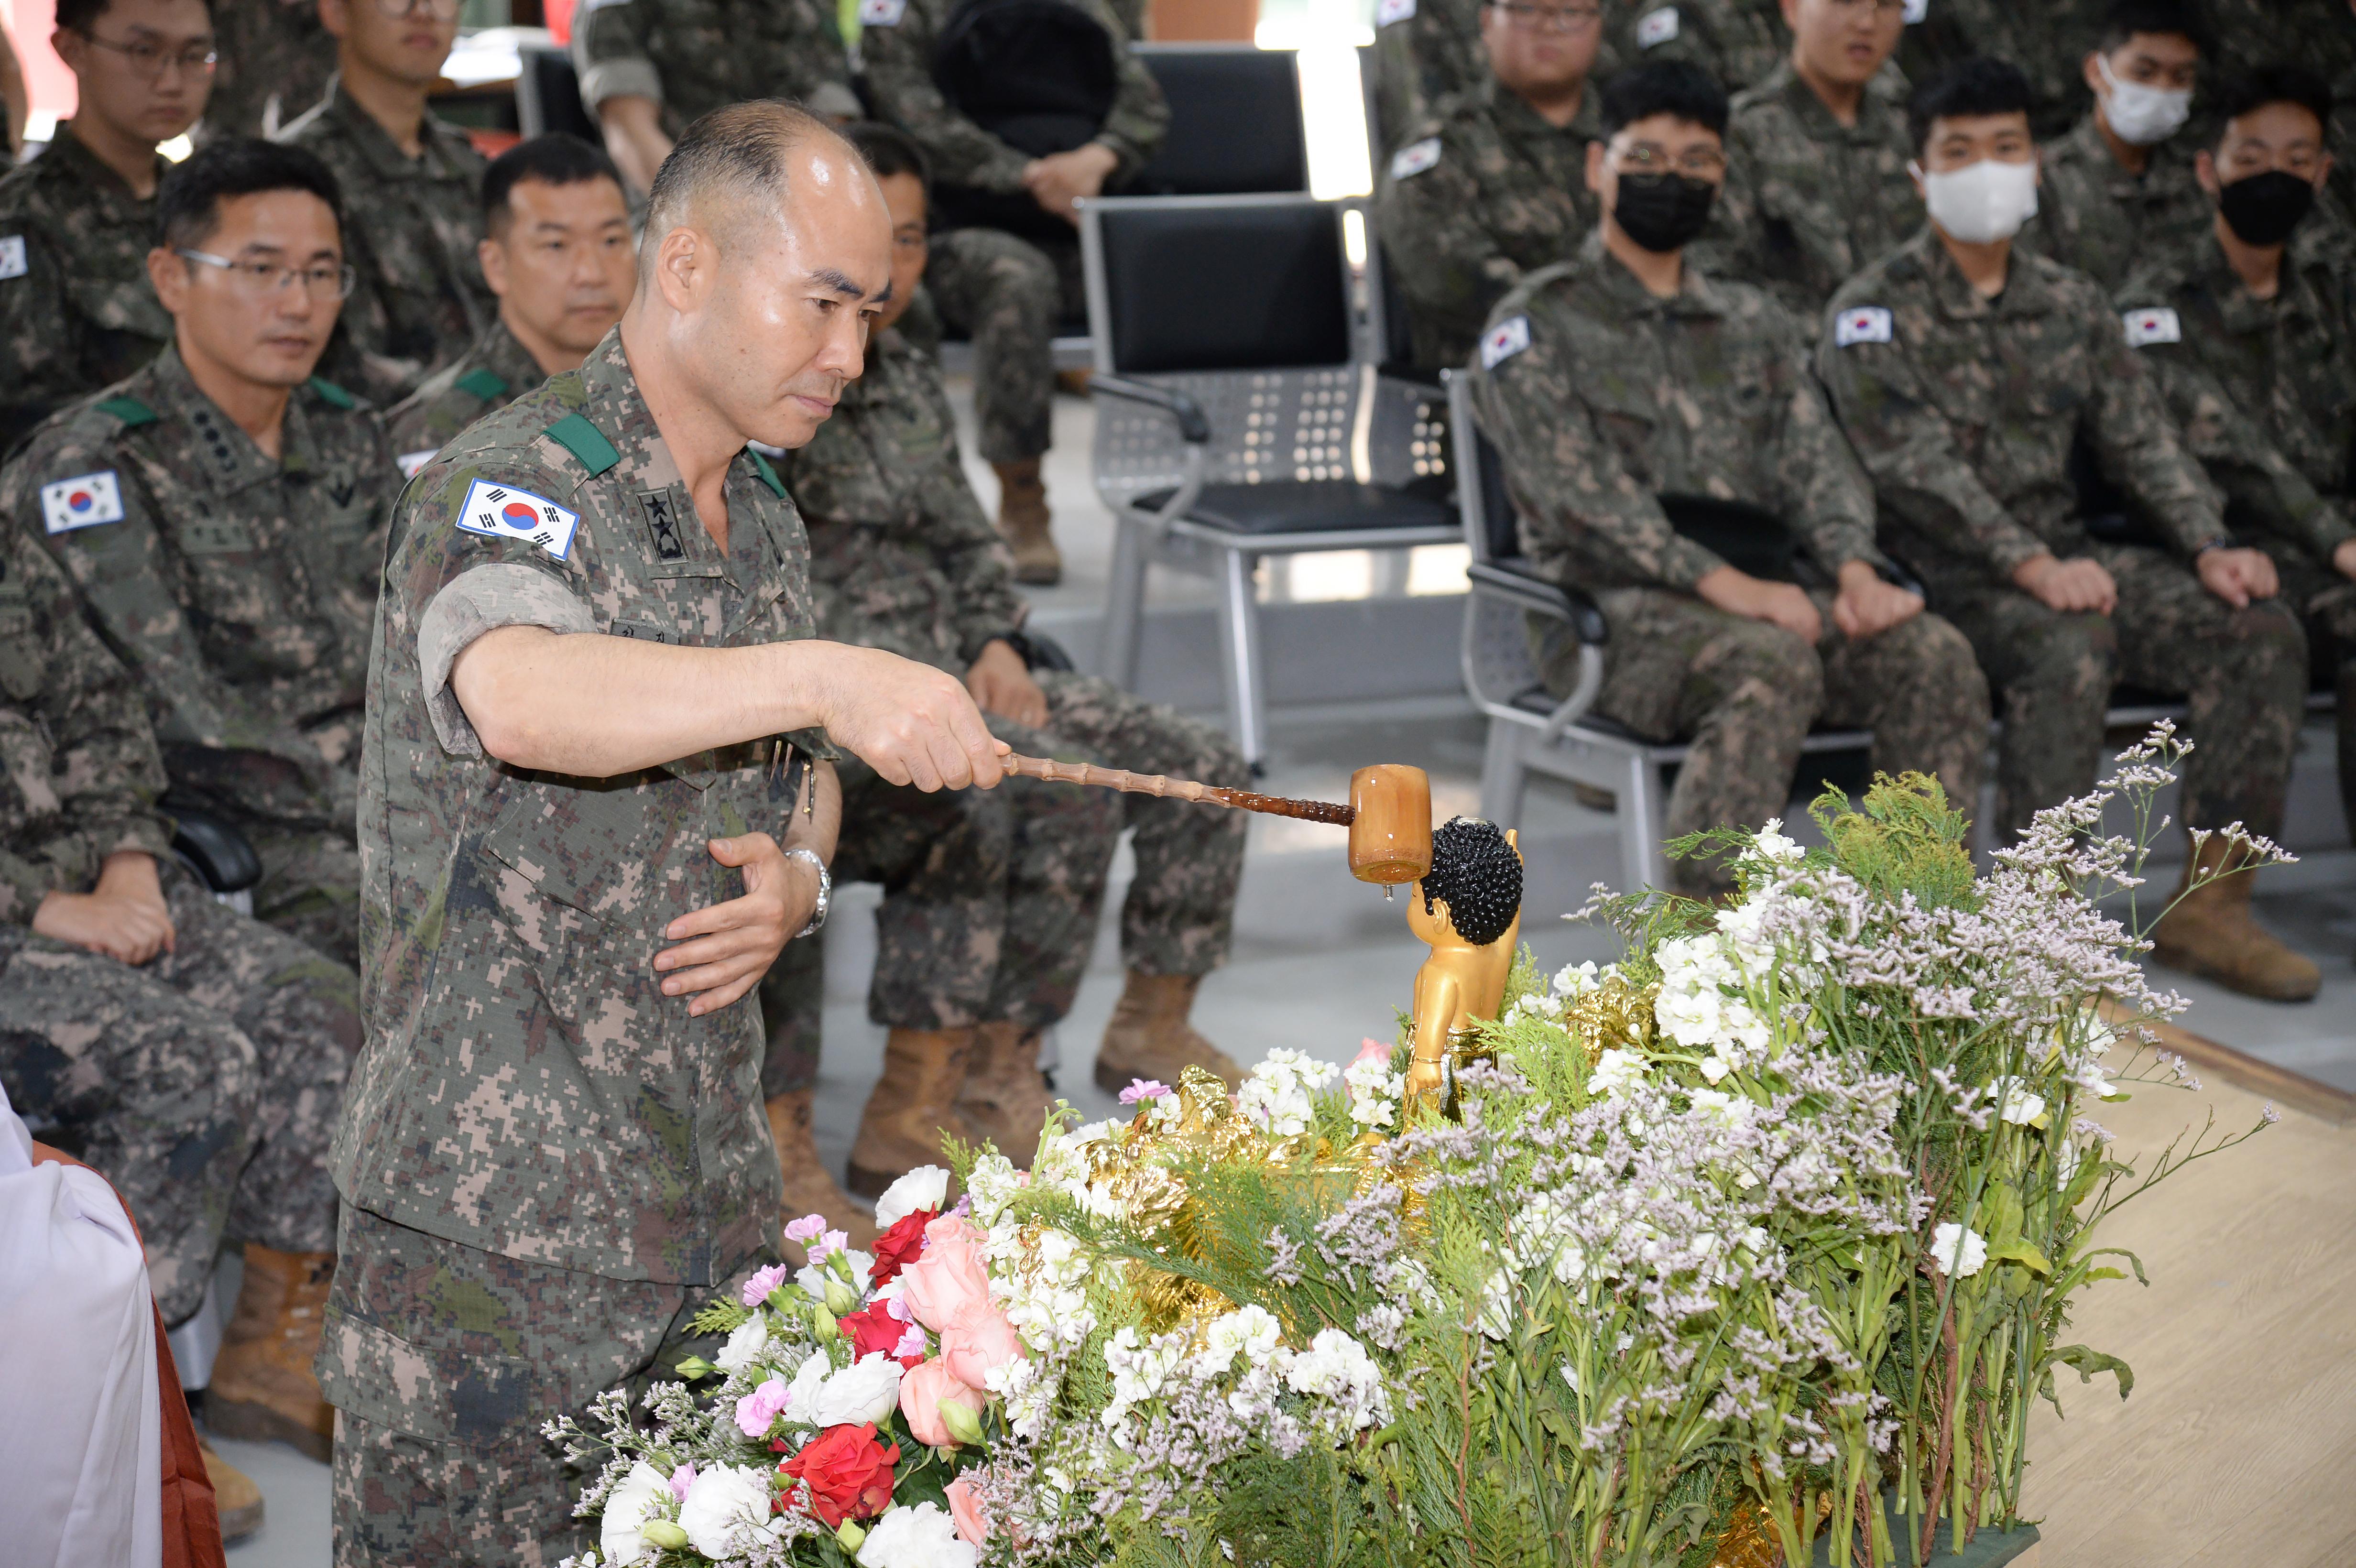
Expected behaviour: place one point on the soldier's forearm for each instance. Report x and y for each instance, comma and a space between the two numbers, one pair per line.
818, 827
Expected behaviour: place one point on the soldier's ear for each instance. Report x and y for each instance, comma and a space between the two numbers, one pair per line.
168, 275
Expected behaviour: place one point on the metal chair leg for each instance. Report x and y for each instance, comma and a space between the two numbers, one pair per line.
1641, 864
1505, 775
1239, 640
1124, 619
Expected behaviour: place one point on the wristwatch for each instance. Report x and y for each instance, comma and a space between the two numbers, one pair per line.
825, 891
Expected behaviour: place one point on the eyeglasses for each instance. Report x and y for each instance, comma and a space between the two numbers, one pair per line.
1549, 18
396, 10
1702, 163
148, 61
265, 279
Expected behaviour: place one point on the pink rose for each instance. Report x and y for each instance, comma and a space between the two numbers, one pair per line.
965, 1509
980, 1342
922, 1392
948, 1278
757, 1409
1374, 1051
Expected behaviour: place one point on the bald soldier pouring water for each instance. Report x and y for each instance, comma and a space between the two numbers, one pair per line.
595, 804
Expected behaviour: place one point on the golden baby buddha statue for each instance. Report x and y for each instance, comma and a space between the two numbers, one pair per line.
1467, 908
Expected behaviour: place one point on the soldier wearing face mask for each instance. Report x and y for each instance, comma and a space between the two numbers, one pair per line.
1965, 371
1668, 453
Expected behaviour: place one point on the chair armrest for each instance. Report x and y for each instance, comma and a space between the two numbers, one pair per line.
1897, 575
1193, 424
1041, 651
1532, 592
216, 851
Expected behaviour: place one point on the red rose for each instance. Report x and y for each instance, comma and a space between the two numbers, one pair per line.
873, 1328
849, 1473
900, 1246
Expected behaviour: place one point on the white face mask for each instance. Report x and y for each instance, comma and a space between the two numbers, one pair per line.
1981, 202
2142, 116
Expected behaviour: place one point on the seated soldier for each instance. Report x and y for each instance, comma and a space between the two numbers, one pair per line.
195, 1057
410, 181
1018, 125
558, 253
1966, 372
901, 559
1493, 188
1739, 42
2120, 187
222, 515
1426, 52
2257, 357
2251, 34
1627, 376
76, 312
2045, 41
1817, 155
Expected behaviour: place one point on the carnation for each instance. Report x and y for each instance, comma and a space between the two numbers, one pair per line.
866, 1391
641, 1496
745, 1343
919, 1536
727, 1511
926, 1187
1948, 1240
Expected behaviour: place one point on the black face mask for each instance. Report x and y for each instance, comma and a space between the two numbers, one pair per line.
1663, 212
2261, 210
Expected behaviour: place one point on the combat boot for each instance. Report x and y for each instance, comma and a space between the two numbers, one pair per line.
912, 1106
1022, 518
235, 1497
1004, 1094
2212, 933
263, 1387
1149, 1036
809, 1186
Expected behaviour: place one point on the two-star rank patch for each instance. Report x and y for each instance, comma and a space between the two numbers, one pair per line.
83, 501
882, 13
1504, 340
2153, 323
1655, 28
1414, 157
504, 512
1389, 11
1865, 324
12, 256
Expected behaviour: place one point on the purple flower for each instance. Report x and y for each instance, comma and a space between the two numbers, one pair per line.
757, 1409
1143, 1088
682, 1479
912, 1343
806, 1229
758, 1288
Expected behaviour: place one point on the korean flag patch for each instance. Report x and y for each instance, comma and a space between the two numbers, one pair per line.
1655, 28
1503, 341
882, 13
504, 512
2153, 323
1414, 157
12, 256
1866, 323
1389, 11
409, 462
83, 501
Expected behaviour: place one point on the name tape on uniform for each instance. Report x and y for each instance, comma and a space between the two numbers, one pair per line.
12, 256
1655, 28
1414, 157
1504, 340
2154, 323
83, 501
1866, 323
882, 13
1389, 11
1916, 10
409, 462
504, 512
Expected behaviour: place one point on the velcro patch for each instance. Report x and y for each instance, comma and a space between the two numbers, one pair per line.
12, 256
1389, 11
504, 512
2153, 323
1655, 28
882, 13
1414, 157
83, 501
1866, 323
1503, 341
409, 462
1915, 11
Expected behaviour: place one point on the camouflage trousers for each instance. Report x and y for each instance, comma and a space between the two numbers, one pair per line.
2326, 603
2242, 672
310, 889
993, 915
205, 1083
443, 1362
1746, 693
1008, 295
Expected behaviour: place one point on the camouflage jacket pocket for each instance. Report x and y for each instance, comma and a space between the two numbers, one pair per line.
477, 1399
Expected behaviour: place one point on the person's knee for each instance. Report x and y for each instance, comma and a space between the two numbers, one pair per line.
1940, 667
2064, 656
1762, 665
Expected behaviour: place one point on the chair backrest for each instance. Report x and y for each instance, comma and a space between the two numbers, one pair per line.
1487, 511
1189, 284
548, 98
1234, 121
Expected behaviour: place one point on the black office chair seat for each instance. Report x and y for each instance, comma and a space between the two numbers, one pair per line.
1308, 507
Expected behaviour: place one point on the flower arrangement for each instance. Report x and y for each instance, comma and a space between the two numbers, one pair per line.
1763, 1238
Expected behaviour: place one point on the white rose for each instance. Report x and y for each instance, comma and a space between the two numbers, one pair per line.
926, 1187
801, 1394
727, 1511
628, 1507
751, 1338
868, 1390
919, 1536
1948, 1240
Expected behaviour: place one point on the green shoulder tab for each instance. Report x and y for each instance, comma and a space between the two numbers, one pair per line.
586, 441
483, 382
333, 393
130, 410
769, 475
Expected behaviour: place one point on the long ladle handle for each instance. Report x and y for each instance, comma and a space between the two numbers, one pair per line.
1177, 789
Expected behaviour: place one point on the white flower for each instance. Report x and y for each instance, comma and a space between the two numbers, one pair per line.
1374, 1092
919, 1536
862, 1269
1771, 845
2014, 1103
747, 1343
1573, 981
727, 1511
639, 1494
993, 1184
1252, 1331
1336, 1367
1275, 1098
801, 1394
926, 1187
1615, 1072
1948, 1240
867, 1391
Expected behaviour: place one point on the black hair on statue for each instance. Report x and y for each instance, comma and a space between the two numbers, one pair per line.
2281, 83
554, 159
1480, 875
188, 201
1965, 90
1675, 88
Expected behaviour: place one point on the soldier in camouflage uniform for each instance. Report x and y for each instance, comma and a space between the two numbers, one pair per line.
1965, 391
1740, 42
2047, 41
2248, 35
76, 311
1496, 186
275, 62
558, 253
1427, 52
1623, 377
1817, 155
236, 581
193, 1056
985, 182
412, 188
552, 1152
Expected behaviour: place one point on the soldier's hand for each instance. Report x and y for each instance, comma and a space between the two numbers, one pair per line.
1777, 604
2237, 576
724, 949
2343, 559
1868, 606
123, 917
1001, 682
1059, 181
911, 723
2069, 586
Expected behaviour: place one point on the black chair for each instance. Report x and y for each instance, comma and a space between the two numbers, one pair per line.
548, 98
1234, 121
217, 853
